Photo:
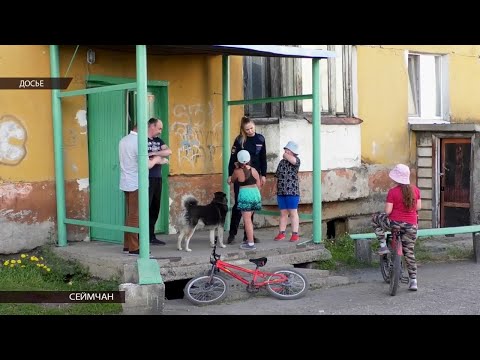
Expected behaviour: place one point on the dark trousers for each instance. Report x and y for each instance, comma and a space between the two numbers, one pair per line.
154, 197
236, 214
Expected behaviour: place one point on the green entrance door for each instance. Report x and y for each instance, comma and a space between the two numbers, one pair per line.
110, 117
106, 126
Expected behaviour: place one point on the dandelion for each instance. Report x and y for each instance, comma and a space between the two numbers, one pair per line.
12, 265
19, 261
23, 256
48, 269
23, 266
6, 263
13, 261
38, 265
41, 257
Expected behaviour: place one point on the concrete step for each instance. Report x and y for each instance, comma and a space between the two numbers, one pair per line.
189, 267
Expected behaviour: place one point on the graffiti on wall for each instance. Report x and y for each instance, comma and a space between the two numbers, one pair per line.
198, 137
13, 137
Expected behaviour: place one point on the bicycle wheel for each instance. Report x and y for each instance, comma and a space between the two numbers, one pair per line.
295, 287
201, 291
395, 274
385, 267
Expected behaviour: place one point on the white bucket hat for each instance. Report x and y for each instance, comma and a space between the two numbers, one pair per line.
400, 174
243, 156
292, 146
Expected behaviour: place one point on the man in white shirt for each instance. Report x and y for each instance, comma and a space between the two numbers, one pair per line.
128, 156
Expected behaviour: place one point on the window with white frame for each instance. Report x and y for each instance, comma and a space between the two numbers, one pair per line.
273, 77
427, 87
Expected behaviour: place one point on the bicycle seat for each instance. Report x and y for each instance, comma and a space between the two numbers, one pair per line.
259, 262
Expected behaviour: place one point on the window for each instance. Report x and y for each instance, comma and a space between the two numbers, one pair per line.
427, 88
273, 77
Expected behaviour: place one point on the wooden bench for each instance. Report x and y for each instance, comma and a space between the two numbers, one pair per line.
363, 242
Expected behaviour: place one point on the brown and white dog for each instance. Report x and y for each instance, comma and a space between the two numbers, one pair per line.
207, 217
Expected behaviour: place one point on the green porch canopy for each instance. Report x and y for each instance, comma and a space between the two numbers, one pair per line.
149, 272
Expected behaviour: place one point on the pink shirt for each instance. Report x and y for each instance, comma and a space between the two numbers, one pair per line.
400, 213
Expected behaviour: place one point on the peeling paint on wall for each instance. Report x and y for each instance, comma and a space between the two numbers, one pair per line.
13, 137
11, 215
83, 184
12, 191
81, 118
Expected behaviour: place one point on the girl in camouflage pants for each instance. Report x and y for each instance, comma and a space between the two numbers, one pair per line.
382, 223
403, 202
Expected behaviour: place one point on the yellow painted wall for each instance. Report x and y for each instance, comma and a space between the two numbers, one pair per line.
195, 113
29, 112
382, 96
194, 100
382, 104
465, 88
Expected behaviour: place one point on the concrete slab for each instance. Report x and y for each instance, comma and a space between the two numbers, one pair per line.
106, 260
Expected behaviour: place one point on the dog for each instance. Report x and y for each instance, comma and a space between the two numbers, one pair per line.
210, 217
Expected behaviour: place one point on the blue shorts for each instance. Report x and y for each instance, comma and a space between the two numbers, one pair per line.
288, 202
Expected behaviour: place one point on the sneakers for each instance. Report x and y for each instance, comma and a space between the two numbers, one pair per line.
255, 239
412, 286
246, 246
231, 239
125, 250
279, 237
155, 241
383, 250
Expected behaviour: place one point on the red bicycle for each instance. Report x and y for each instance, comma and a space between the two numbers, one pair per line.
392, 265
284, 284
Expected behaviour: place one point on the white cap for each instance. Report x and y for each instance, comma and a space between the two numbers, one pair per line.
243, 156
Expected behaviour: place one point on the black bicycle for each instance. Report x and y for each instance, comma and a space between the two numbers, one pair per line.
393, 265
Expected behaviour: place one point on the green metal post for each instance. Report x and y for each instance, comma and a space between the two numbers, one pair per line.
58, 148
317, 166
226, 130
142, 111
148, 269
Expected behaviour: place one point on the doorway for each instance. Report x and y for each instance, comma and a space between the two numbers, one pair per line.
455, 181
111, 116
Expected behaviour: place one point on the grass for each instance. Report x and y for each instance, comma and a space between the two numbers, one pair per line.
42, 270
422, 254
343, 254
